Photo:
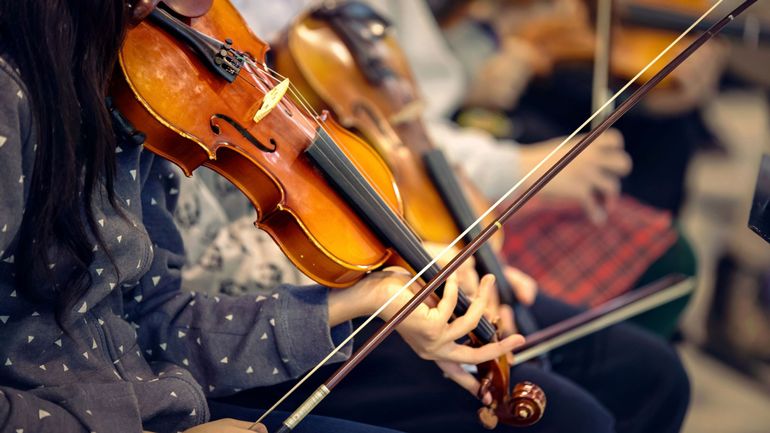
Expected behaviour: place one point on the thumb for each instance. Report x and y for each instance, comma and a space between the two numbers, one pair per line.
258, 427
229, 425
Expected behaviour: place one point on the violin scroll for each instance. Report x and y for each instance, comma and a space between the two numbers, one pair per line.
522, 408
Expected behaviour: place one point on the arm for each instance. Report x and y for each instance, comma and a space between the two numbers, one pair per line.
227, 342
231, 343
103, 407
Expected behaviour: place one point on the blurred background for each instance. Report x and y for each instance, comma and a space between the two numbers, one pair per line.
726, 329
716, 141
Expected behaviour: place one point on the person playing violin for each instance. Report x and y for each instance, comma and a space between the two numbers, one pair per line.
97, 335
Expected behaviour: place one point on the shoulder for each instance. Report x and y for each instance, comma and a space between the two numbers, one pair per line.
11, 84
16, 152
15, 111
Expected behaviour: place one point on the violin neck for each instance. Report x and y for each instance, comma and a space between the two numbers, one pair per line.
451, 192
487, 262
665, 19
388, 225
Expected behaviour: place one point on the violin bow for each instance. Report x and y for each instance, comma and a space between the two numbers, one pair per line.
470, 248
607, 314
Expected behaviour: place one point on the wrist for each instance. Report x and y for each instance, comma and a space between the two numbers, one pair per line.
361, 299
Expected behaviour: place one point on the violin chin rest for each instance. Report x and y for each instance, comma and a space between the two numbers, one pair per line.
188, 8
141, 9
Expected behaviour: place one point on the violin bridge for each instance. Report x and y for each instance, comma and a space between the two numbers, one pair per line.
271, 99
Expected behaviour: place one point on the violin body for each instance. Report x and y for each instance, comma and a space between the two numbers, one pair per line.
194, 118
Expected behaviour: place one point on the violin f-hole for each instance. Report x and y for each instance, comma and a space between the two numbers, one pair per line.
216, 129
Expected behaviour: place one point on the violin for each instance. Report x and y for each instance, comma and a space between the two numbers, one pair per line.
200, 90
357, 82
636, 40
342, 57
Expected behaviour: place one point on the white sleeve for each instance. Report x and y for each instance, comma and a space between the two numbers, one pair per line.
440, 76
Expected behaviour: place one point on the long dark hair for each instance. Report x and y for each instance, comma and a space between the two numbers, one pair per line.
65, 51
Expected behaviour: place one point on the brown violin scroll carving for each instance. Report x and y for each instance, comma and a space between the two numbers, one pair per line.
525, 406
521, 407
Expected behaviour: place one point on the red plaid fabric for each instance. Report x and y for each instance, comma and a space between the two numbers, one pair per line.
579, 262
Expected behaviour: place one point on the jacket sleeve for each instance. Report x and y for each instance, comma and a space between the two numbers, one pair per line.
494, 165
72, 409
228, 343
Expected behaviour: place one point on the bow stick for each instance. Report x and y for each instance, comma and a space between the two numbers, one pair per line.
386, 329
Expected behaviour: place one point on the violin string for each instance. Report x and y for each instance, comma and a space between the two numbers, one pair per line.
301, 99
294, 91
486, 213
491, 209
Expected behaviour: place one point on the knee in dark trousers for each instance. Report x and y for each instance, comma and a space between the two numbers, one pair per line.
635, 375
668, 392
642, 382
